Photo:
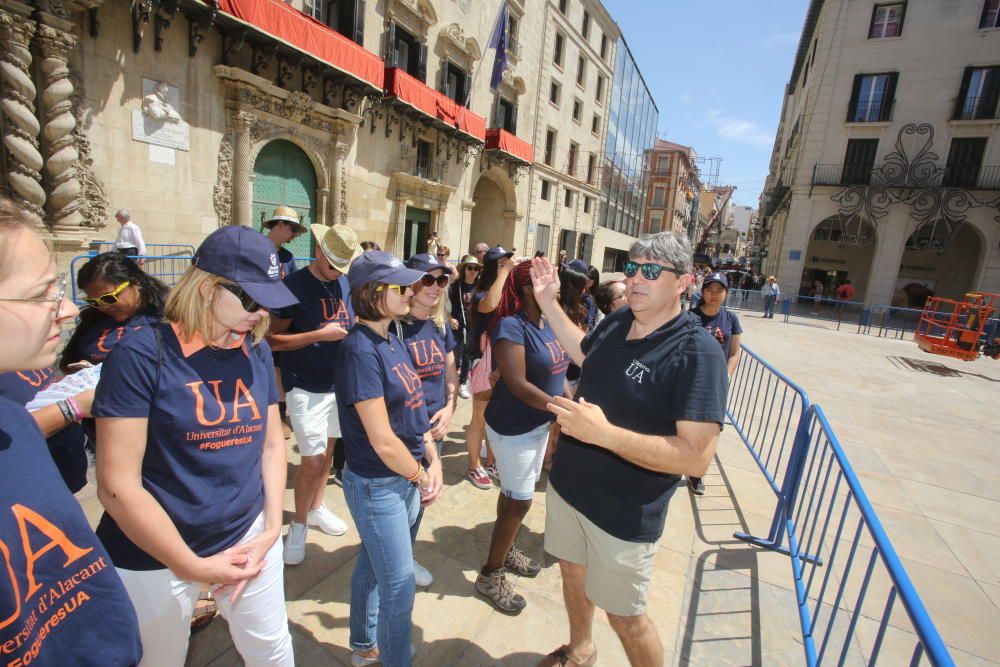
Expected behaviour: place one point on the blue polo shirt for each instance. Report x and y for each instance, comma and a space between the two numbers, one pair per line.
103, 333
311, 367
66, 446
369, 366
61, 601
429, 349
646, 385
545, 364
723, 326
207, 412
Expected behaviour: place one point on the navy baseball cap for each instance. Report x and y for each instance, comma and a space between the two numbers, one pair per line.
496, 252
715, 278
579, 266
425, 262
249, 259
381, 266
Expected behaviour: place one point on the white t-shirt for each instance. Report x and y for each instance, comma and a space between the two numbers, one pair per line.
130, 236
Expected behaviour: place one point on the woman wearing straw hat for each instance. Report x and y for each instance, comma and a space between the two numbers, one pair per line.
308, 334
284, 227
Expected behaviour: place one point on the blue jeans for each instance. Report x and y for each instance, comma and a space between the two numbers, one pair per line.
769, 300
384, 510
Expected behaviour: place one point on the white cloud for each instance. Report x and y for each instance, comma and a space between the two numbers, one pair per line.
743, 131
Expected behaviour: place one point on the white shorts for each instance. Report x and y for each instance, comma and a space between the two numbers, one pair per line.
314, 419
519, 460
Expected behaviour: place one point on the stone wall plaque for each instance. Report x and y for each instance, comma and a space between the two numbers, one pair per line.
158, 120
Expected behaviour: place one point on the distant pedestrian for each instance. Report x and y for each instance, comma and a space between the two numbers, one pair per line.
442, 255
129, 241
284, 227
370, 245
817, 296
770, 292
479, 250
610, 296
844, 294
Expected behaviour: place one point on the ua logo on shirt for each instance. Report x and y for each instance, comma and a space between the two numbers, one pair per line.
556, 351
239, 391
636, 371
411, 381
35, 378
335, 309
118, 333
426, 352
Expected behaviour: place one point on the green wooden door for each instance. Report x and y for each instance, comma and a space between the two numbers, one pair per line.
284, 176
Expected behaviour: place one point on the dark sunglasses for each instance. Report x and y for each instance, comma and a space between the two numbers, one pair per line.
246, 300
472, 267
649, 271
427, 280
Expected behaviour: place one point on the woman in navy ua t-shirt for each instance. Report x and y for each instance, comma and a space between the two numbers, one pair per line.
61, 601
386, 432
191, 456
532, 367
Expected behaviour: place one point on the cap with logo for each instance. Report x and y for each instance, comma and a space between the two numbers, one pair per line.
425, 262
339, 244
716, 278
496, 252
378, 265
248, 258
285, 214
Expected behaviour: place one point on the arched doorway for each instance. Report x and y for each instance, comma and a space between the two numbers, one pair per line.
488, 222
939, 260
839, 249
284, 176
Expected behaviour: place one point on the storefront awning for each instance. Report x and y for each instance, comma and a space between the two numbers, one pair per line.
500, 139
403, 87
303, 33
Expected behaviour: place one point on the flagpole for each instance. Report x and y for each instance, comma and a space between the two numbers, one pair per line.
479, 66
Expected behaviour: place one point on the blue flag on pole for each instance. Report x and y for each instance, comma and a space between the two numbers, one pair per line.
498, 41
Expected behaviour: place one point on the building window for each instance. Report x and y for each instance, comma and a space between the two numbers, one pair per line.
568, 198
406, 53
991, 14
542, 235
887, 21
550, 146
872, 98
454, 82
859, 161
574, 149
545, 189
614, 260
555, 91
659, 197
577, 110
512, 29
563, 6
581, 71
604, 46
591, 164
662, 165
313, 8
599, 93
586, 204
424, 165
557, 52
345, 16
977, 98
595, 124
965, 160
505, 115
585, 27
655, 222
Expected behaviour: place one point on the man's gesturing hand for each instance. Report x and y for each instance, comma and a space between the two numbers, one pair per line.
584, 421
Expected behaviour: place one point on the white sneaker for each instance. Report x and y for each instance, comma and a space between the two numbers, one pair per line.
422, 575
326, 521
295, 544
463, 390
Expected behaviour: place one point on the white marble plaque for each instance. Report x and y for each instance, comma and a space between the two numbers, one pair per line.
161, 154
158, 120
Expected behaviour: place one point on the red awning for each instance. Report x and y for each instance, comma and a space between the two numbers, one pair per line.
308, 35
502, 140
407, 89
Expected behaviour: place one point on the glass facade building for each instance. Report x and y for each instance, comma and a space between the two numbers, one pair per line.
632, 121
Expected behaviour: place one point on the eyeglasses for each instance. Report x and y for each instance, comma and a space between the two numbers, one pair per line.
649, 271
246, 300
109, 299
399, 288
57, 299
427, 280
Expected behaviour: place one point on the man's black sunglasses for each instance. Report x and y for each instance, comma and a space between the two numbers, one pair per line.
246, 300
649, 271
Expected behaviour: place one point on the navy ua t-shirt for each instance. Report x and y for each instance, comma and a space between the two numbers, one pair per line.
311, 367
66, 446
677, 373
95, 344
369, 366
545, 364
429, 349
207, 412
723, 326
61, 601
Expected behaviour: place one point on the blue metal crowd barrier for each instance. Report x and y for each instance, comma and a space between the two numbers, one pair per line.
167, 268
157, 249
820, 517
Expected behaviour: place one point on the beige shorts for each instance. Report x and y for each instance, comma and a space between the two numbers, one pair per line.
618, 572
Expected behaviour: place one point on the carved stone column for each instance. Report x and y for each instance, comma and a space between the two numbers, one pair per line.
20, 141
243, 123
58, 141
339, 184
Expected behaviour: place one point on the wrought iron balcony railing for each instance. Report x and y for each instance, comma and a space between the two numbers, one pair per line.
971, 177
424, 167
976, 108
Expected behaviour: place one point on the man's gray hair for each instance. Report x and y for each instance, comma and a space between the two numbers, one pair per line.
123, 213
664, 247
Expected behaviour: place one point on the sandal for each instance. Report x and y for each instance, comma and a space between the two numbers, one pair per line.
561, 658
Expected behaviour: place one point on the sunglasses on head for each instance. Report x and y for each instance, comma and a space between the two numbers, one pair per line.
649, 271
427, 280
246, 300
109, 299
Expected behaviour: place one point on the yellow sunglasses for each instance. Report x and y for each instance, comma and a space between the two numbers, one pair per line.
109, 299
399, 288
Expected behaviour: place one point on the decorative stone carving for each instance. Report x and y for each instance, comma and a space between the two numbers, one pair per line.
468, 47
296, 106
21, 127
412, 14
222, 194
93, 198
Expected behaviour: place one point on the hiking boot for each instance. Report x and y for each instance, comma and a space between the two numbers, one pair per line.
500, 591
519, 563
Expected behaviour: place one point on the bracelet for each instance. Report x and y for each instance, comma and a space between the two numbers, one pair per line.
416, 476
66, 411
77, 414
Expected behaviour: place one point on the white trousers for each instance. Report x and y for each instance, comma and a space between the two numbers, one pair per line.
258, 623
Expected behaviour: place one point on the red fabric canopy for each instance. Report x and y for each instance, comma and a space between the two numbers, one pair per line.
424, 98
503, 140
308, 35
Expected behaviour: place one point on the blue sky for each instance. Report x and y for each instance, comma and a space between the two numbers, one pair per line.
717, 70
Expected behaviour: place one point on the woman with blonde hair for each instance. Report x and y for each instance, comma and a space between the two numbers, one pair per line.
191, 456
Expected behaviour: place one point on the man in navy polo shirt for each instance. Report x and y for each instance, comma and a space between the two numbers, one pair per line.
308, 335
649, 408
